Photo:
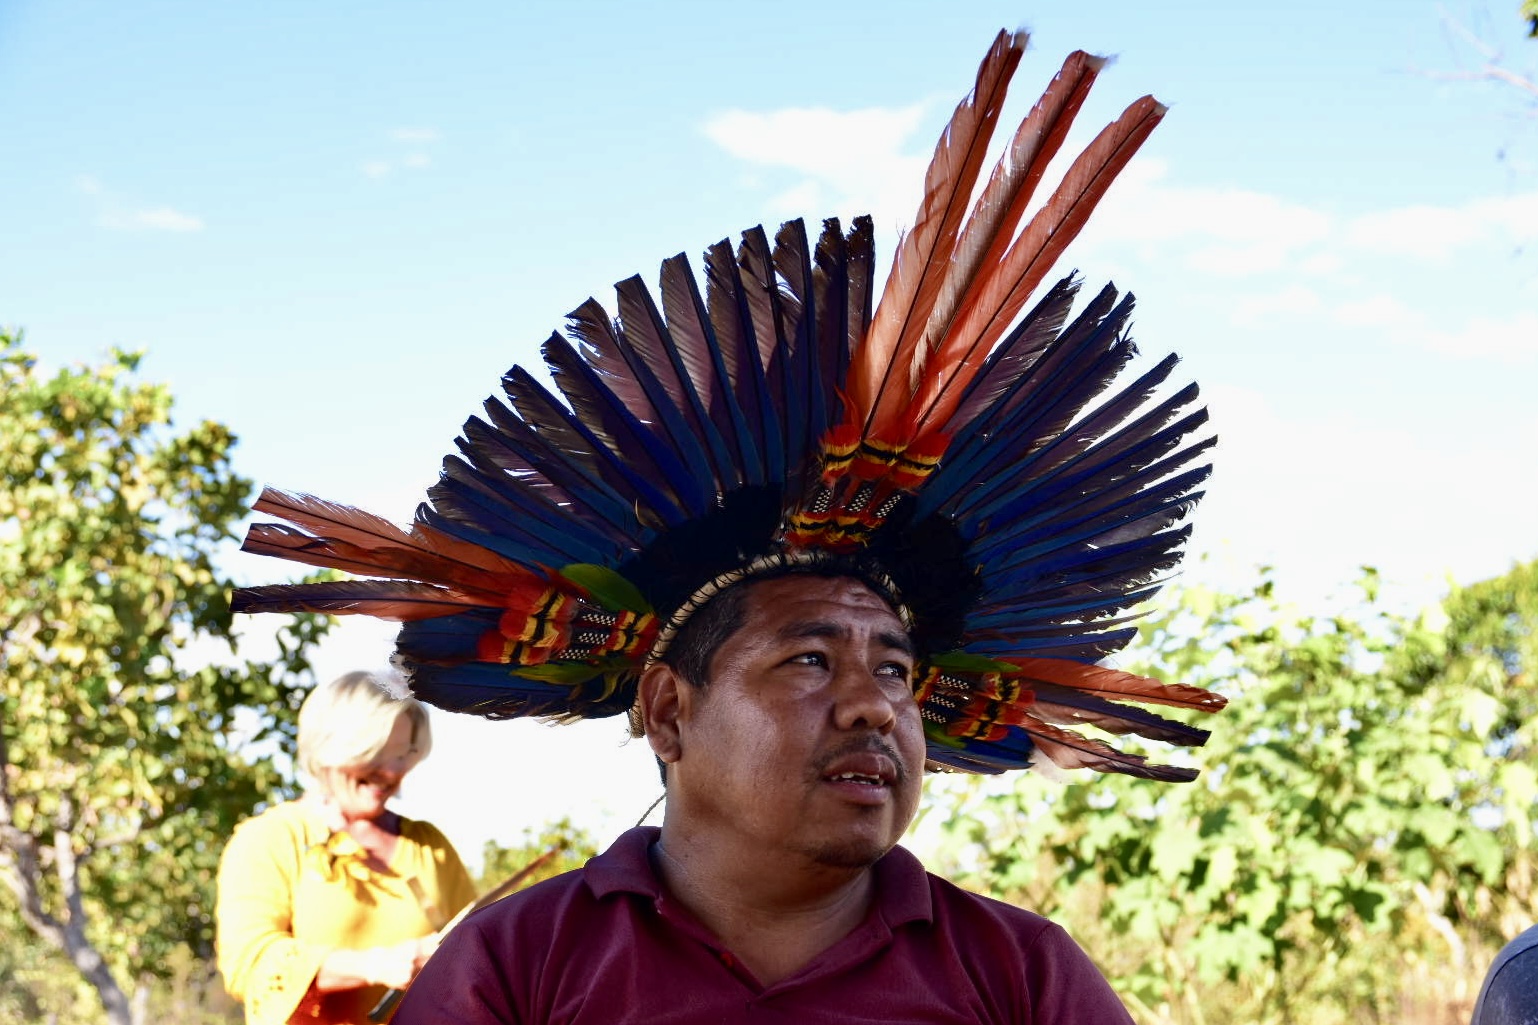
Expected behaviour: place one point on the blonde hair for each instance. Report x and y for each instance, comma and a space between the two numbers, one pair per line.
347, 722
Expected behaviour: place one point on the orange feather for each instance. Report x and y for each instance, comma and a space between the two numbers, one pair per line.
997, 300
991, 228
879, 381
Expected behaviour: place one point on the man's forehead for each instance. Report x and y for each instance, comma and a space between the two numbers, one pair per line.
804, 603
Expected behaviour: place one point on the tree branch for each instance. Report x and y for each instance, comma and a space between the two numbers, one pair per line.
1490, 72
1493, 67
19, 863
86, 958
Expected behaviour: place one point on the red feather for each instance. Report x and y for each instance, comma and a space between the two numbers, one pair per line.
1113, 683
359, 542
1068, 750
383, 599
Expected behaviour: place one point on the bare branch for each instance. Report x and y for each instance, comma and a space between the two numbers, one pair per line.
1493, 62
19, 864
1511, 78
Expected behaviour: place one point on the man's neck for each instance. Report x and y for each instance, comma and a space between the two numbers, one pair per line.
775, 919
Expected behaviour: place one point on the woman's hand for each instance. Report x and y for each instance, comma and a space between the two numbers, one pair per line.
426, 947
393, 967
396, 965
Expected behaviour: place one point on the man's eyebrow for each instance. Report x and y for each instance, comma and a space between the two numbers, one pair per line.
829, 628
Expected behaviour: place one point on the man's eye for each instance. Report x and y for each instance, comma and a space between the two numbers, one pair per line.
896, 670
810, 658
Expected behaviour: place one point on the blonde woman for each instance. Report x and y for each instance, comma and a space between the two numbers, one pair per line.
327, 902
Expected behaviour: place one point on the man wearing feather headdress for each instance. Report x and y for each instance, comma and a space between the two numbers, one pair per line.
812, 551
774, 889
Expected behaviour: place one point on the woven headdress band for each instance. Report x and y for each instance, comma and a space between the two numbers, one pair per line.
758, 567
970, 449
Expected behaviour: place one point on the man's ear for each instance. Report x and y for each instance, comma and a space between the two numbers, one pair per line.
664, 698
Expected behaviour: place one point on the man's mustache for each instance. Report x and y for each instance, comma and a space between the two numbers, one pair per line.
872, 744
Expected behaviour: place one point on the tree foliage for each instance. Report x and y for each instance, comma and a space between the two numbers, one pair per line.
121, 764
572, 846
1365, 814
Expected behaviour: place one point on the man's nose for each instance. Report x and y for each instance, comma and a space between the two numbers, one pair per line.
862, 702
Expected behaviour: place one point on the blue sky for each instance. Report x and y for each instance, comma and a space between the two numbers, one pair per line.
333, 226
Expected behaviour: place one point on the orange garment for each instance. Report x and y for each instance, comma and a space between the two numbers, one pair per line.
291, 890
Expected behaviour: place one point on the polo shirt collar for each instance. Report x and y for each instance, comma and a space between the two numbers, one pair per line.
902, 885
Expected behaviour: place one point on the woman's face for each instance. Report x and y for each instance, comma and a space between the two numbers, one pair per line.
361, 791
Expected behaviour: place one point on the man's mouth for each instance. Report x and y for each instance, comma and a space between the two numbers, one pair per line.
857, 777
877, 769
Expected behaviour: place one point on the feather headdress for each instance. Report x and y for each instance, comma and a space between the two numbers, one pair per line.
986, 462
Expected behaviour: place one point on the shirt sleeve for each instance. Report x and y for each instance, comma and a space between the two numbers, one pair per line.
1065, 987
1510, 994
263, 965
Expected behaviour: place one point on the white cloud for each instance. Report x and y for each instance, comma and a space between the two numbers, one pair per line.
1425, 232
1226, 232
1380, 311
1516, 216
113, 213
1322, 265
1509, 339
809, 195
846, 156
819, 141
385, 168
413, 159
1437, 233
1292, 301
161, 218
1514, 339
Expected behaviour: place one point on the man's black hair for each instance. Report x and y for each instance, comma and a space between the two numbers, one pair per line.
706, 631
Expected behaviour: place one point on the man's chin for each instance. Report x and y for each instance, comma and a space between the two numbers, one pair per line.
852, 852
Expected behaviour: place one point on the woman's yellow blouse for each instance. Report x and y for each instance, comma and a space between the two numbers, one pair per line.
291, 891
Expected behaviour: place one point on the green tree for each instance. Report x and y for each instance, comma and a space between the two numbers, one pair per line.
123, 761
1364, 817
572, 844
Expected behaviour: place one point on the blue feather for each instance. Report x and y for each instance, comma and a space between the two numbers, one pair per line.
464, 511
688, 322
677, 369
661, 480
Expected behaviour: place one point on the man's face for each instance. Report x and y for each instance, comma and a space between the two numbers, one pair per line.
807, 739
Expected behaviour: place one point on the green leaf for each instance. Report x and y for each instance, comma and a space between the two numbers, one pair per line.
965, 662
1480, 711
1175, 847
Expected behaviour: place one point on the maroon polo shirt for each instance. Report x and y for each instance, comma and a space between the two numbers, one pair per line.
606, 944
